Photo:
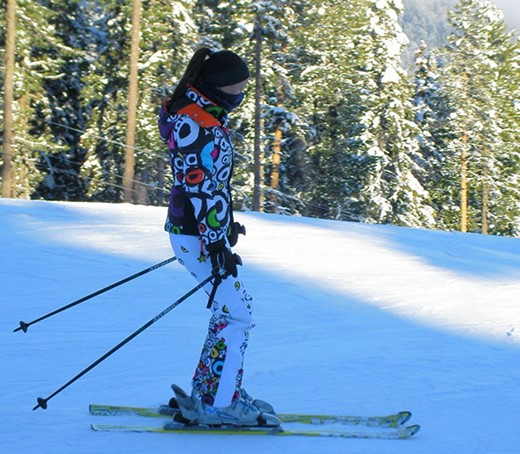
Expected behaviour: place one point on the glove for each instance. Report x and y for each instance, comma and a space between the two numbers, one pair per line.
235, 229
223, 261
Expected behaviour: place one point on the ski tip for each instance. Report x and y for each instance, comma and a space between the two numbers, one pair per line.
412, 430
404, 417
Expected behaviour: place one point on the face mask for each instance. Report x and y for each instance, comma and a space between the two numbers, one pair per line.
225, 100
230, 102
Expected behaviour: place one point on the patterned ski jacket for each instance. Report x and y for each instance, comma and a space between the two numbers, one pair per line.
201, 158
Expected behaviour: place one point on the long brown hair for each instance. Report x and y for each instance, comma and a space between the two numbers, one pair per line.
191, 74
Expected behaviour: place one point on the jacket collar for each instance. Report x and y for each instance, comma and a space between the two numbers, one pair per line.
209, 106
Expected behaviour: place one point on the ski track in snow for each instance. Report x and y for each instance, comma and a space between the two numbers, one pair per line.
351, 318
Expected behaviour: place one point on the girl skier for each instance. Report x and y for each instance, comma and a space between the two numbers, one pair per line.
193, 122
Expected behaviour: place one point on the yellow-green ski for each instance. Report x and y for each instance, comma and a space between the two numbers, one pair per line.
180, 429
388, 421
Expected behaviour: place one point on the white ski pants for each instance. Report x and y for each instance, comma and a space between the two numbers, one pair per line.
218, 375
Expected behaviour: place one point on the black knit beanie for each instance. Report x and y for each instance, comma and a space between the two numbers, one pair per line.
224, 68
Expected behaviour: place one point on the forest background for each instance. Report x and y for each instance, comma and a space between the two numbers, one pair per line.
373, 111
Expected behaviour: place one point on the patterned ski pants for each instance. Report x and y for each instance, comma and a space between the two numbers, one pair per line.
218, 376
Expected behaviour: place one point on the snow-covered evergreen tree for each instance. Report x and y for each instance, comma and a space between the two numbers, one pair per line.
168, 39
482, 61
355, 98
65, 118
240, 26
432, 115
503, 172
274, 22
41, 156
390, 191
325, 54
106, 91
169, 36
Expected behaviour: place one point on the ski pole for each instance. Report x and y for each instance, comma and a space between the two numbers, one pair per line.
42, 403
24, 326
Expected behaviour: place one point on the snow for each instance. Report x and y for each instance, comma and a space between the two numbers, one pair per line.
351, 318
390, 76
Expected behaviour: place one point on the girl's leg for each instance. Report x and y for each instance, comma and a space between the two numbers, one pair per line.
218, 376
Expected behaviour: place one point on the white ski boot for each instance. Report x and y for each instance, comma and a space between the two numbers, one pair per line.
239, 413
262, 405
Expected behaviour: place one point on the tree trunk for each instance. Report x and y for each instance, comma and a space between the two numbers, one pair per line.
464, 171
141, 189
257, 159
485, 200
275, 168
277, 150
277, 158
128, 176
464, 185
8, 98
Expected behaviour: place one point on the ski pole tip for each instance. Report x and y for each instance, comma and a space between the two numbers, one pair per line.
42, 403
23, 326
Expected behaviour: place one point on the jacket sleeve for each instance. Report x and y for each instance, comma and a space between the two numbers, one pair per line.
196, 149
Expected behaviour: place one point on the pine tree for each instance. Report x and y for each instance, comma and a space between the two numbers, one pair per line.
505, 202
501, 171
105, 92
168, 38
482, 60
40, 54
240, 26
274, 22
432, 115
393, 194
63, 115
321, 67
364, 140
167, 42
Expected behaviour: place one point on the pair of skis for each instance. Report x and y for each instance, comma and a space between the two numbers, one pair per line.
370, 427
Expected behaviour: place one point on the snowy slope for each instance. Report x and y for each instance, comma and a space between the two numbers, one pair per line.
351, 318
